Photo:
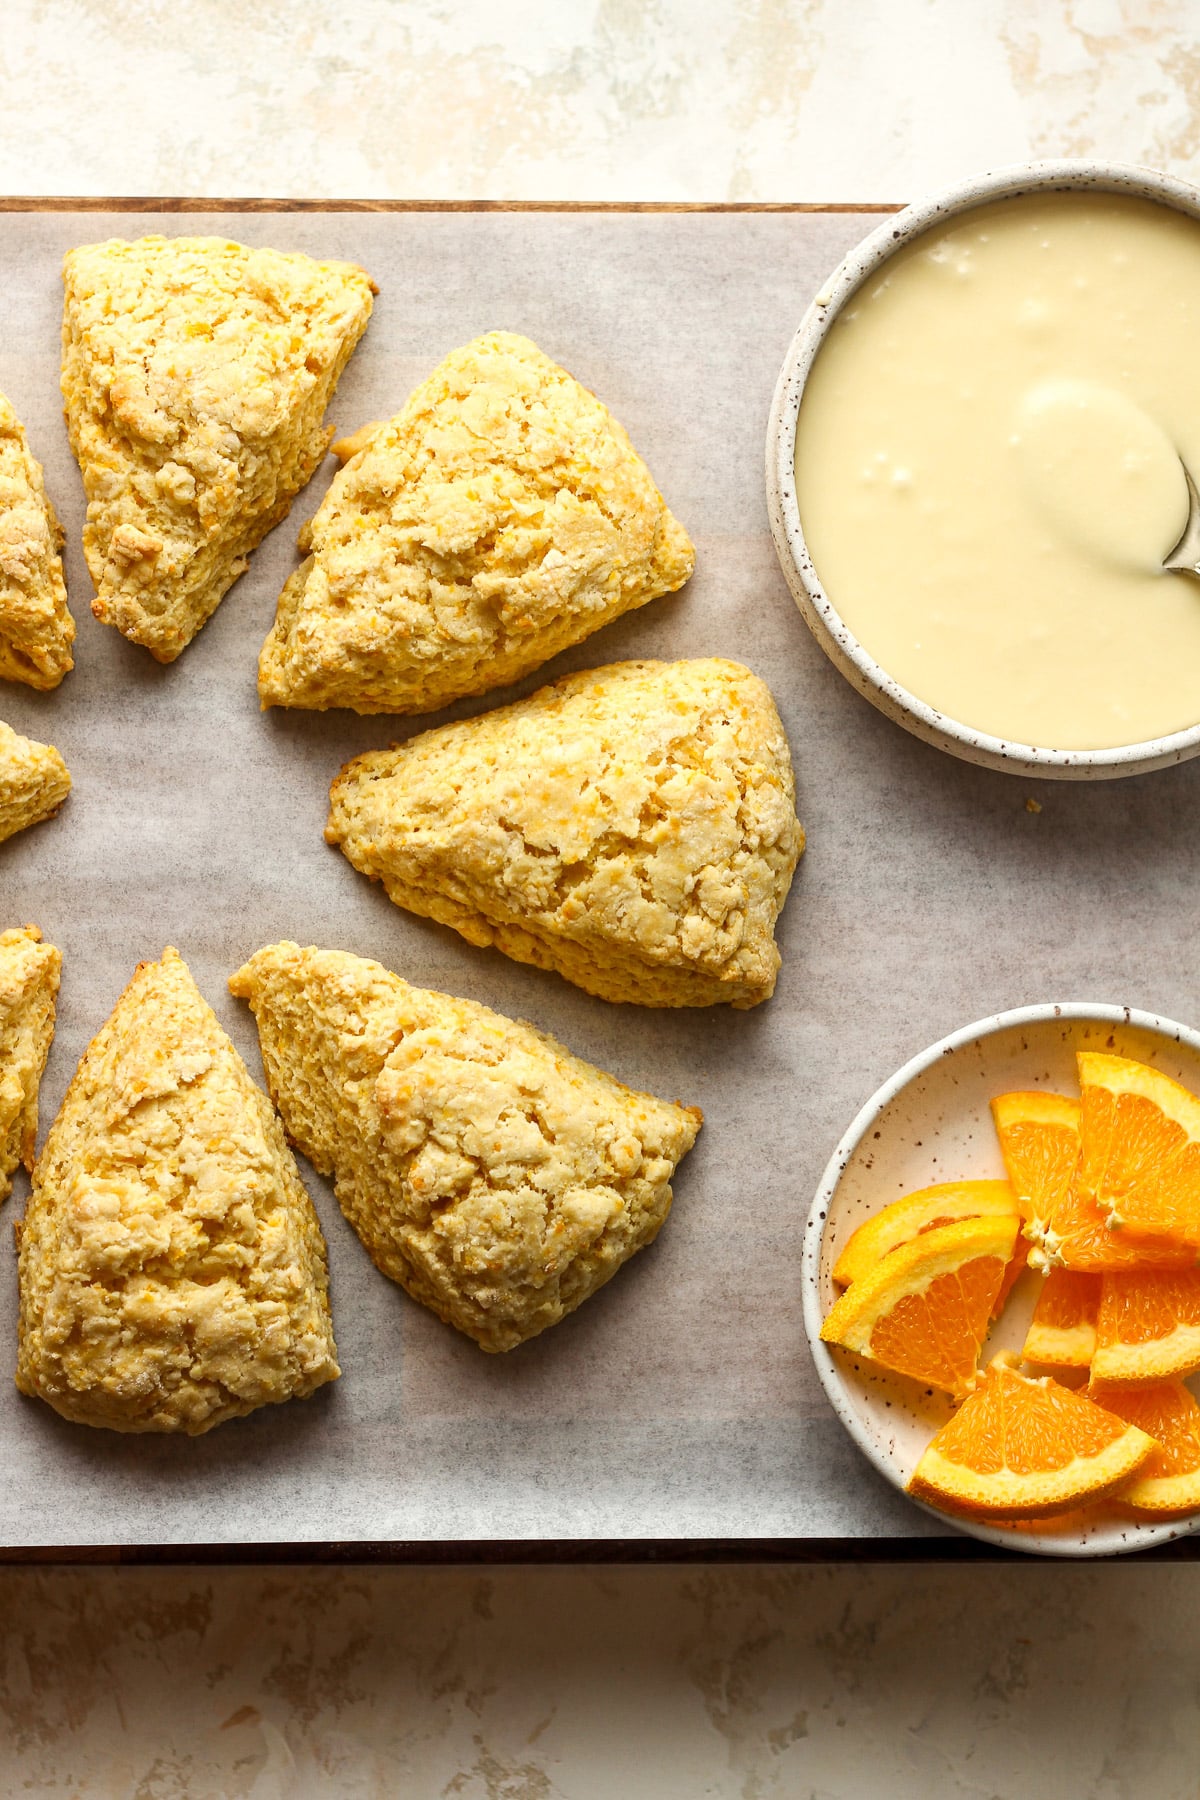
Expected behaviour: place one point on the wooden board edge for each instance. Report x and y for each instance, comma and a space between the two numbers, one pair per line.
85, 203
626, 1552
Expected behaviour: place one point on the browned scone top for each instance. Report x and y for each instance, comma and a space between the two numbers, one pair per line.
29, 975
498, 1178
172, 1269
500, 516
36, 627
195, 377
632, 827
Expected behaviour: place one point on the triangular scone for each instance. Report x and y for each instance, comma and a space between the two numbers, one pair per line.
172, 1269
34, 781
495, 1176
632, 827
29, 972
36, 627
502, 515
196, 373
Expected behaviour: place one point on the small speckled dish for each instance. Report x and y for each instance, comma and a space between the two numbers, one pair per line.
828, 627
931, 1123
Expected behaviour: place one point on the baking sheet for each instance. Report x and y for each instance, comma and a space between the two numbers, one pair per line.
680, 1403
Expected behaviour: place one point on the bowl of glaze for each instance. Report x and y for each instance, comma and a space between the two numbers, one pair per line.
931, 1123
873, 681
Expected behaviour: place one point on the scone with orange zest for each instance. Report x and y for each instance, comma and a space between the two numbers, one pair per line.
499, 1179
195, 377
633, 828
500, 516
172, 1270
36, 627
34, 782
29, 972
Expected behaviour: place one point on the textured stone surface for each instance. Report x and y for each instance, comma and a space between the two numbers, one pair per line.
601, 99
601, 1684
529, 1685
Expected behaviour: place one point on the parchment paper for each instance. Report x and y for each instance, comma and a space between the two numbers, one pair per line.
680, 1402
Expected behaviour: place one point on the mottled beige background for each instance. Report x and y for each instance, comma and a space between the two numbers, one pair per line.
833, 1683
797, 1684
584, 99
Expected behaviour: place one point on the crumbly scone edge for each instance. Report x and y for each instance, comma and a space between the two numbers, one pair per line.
438, 1118
114, 1331
500, 517
487, 875
29, 978
36, 627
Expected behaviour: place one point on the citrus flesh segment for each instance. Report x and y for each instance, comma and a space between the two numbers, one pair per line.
1148, 1326
1168, 1483
925, 1210
1062, 1332
923, 1310
1040, 1140
1140, 1160
1024, 1448
1017, 1264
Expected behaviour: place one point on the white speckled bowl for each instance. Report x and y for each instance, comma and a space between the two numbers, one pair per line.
931, 1123
827, 625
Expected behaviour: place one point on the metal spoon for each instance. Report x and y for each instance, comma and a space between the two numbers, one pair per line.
1184, 559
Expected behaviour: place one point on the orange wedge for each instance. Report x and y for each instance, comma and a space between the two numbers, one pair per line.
1168, 1483
1016, 1264
1148, 1327
1141, 1148
1040, 1141
923, 1309
1062, 1332
1020, 1448
925, 1210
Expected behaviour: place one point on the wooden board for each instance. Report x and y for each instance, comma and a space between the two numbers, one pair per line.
677, 1415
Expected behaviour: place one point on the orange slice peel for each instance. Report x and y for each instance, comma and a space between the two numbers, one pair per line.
1062, 1332
926, 1210
1041, 1140
1140, 1162
1148, 1326
1021, 1447
923, 1310
1167, 1486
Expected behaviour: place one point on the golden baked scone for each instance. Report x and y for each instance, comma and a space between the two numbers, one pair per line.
500, 516
632, 827
29, 972
172, 1269
36, 627
34, 781
496, 1177
195, 376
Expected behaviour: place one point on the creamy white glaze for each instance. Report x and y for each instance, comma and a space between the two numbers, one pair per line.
988, 469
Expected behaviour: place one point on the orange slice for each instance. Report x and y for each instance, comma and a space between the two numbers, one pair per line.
1168, 1483
1016, 1266
1062, 1331
1141, 1148
923, 1309
1020, 1448
1148, 1327
1040, 1141
925, 1210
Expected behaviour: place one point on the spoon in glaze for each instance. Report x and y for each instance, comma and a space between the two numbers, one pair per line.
1184, 559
